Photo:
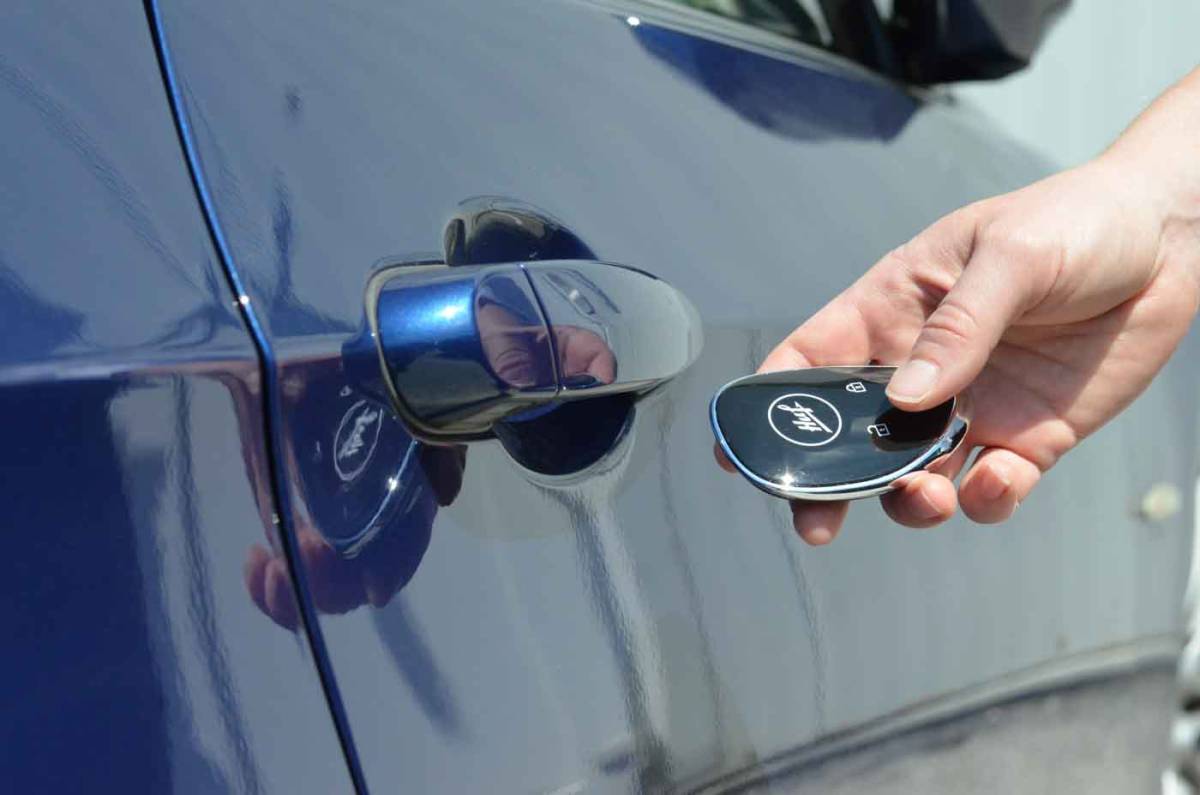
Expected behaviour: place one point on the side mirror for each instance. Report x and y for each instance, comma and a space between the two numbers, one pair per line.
941, 41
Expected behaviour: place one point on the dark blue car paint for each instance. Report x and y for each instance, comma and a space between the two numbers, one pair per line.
648, 621
285, 536
134, 481
635, 619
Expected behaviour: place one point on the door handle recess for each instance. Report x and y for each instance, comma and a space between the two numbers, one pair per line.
463, 347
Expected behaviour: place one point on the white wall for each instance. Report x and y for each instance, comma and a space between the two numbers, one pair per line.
1103, 62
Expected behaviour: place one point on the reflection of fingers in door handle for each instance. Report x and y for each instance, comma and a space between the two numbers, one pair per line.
464, 347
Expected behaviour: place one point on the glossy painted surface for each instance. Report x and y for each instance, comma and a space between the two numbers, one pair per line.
466, 347
135, 481
644, 620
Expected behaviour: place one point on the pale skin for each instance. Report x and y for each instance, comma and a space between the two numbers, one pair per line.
1051, 308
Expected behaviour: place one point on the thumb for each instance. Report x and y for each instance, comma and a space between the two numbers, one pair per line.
958, 337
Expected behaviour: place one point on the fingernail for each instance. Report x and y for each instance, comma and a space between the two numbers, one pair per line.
925, 507
913, 381
996, 484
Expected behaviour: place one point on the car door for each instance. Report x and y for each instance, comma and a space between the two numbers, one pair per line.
595, 605
135, 478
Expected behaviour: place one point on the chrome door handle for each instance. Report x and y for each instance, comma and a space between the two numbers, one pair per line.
463, 347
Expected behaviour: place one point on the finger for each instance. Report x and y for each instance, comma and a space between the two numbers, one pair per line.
924, 500
333, 581
996, 484
950, 466
280, 599
384, 572
583, 351
818, 523
443, 466
603, 366
254, 572
835, 335
958, 337
508, 345
723, 460
393, 557
378, 588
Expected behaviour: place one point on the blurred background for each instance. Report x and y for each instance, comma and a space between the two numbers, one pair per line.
1099, 66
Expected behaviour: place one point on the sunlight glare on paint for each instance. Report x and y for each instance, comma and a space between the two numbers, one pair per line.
451, 311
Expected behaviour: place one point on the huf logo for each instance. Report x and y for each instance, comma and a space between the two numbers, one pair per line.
804, 419
355, 441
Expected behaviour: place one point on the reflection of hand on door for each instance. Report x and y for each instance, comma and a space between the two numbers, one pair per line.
584, 353
340, 580
340, 584
513, 349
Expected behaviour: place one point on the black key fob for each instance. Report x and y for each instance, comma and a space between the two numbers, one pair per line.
828, 433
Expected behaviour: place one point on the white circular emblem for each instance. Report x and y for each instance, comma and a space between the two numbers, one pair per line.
355, 440
804, 419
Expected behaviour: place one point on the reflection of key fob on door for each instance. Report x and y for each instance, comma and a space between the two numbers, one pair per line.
828, 433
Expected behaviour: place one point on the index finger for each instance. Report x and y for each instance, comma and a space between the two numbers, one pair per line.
836, 335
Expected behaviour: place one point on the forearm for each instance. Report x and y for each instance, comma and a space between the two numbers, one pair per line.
1161, 149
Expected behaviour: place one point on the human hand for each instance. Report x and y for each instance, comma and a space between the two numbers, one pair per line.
513, 349
1052, 307
339, 584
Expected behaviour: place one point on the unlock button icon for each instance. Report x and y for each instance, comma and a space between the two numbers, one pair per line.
856, 386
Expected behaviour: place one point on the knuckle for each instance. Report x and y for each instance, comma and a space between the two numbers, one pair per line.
912, 273
951, 326
896, 268
902, 256
1021, 248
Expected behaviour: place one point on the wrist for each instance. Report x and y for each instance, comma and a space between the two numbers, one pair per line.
1178, 192
1159, 205
1159, 159
1167, 186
